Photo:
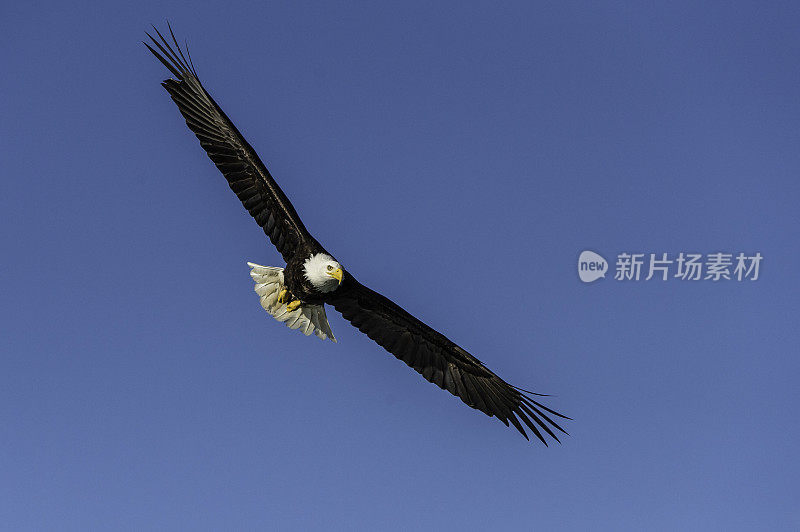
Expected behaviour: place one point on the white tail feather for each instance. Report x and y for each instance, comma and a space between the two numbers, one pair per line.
306, 318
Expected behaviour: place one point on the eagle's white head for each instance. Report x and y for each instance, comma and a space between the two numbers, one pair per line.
323, 272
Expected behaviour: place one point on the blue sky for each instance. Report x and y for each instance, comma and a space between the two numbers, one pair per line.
457, 157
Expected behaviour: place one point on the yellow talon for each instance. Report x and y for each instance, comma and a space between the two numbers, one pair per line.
283, 296
293, 305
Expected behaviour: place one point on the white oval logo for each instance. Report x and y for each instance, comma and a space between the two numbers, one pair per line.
591, 266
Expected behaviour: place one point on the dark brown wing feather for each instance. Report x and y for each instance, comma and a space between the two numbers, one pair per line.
440, 361
235, 158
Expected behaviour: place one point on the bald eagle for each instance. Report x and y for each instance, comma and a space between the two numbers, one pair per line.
297, 294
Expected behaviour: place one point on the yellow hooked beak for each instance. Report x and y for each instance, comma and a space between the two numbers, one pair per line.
337, 274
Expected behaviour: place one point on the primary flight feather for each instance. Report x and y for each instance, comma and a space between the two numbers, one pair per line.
297, 294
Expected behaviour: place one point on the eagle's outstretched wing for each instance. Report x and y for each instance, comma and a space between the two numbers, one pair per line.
440, 361
238, 162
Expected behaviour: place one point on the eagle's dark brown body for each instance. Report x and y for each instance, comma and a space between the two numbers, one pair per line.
296, 280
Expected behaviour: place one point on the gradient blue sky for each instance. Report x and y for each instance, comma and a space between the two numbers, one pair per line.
456, 157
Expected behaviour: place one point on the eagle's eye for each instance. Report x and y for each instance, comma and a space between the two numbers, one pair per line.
330, 268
